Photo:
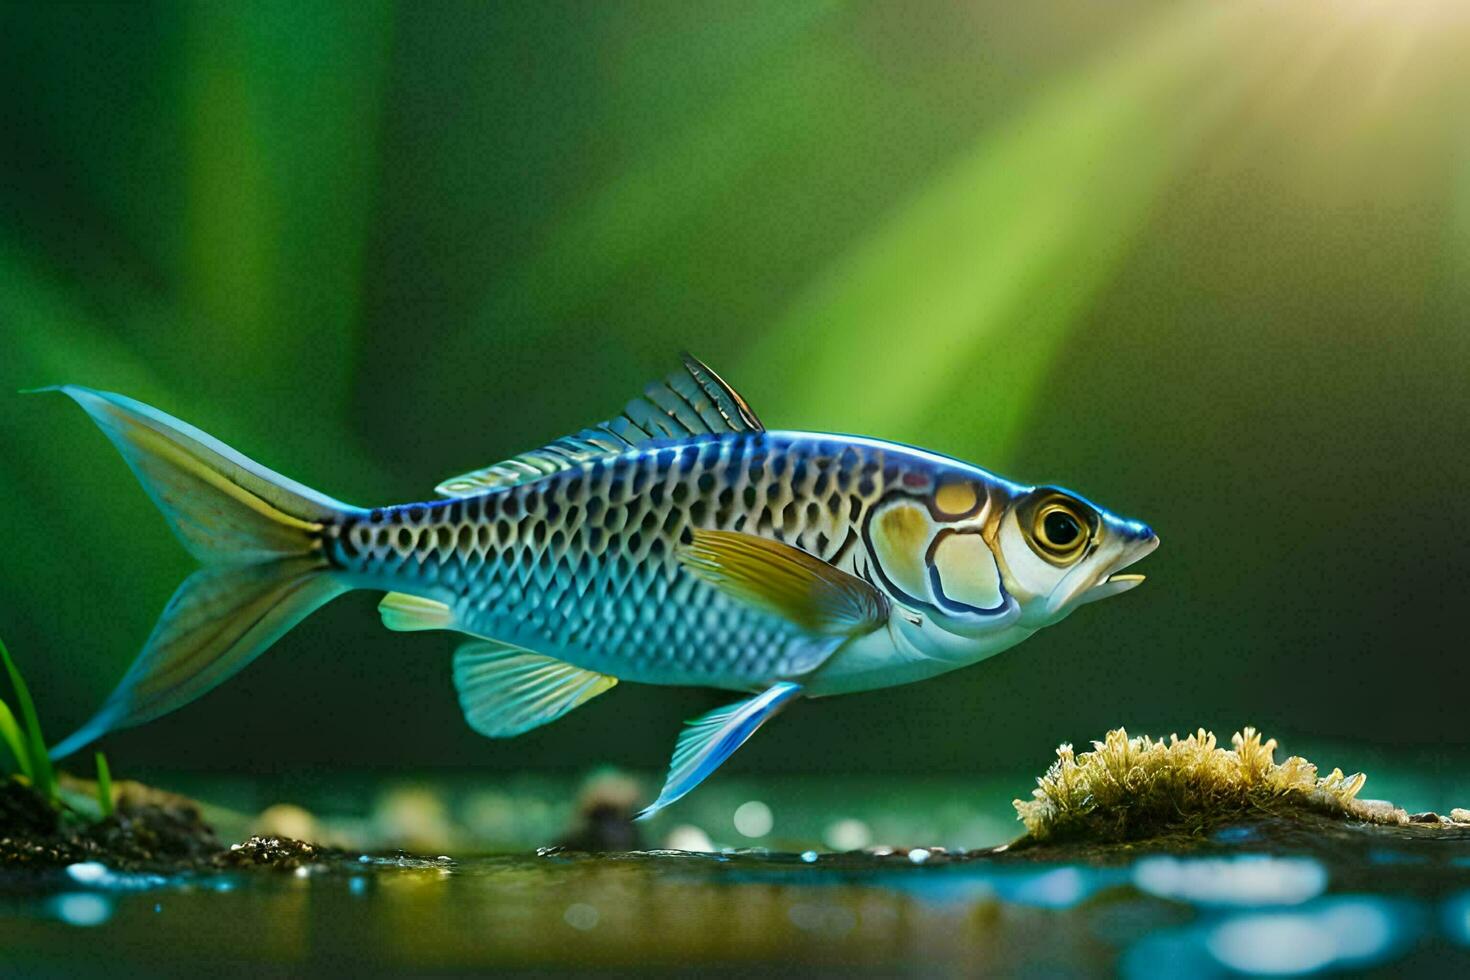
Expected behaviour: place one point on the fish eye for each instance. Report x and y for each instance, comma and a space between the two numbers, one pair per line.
1058, 530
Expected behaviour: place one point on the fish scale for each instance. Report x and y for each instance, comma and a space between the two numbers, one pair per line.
581, 564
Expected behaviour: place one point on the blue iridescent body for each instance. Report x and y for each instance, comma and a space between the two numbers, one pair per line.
678, 543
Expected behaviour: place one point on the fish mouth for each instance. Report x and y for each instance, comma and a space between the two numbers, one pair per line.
1110, 586
1075, 590
1119, 581
1130, 579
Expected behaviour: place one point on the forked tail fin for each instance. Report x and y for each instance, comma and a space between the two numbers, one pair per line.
258, 535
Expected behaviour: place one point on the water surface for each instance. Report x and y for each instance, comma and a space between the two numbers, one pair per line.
1372, 900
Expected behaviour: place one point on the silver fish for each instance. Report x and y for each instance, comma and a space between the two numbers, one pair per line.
679, 542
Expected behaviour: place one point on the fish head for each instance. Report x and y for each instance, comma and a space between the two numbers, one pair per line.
972, 564
1058, 551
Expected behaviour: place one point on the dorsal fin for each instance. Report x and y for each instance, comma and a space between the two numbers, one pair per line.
691, 402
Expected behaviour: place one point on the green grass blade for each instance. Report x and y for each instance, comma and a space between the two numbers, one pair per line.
11, 736
42, 777
104, 786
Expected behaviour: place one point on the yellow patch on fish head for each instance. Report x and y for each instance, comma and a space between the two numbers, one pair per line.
958, 497
905, 526
967, 570
900, 535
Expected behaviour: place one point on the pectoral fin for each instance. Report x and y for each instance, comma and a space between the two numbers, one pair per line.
712, 738
786, 581
505, 690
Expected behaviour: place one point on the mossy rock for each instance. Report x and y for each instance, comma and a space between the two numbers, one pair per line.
1179, 790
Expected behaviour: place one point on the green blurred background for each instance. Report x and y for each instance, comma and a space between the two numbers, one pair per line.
1205, 263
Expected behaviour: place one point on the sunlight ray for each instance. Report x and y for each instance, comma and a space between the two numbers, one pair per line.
990, 265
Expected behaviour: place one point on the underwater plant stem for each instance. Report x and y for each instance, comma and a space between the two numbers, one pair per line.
42, 777
14, 740
104, 786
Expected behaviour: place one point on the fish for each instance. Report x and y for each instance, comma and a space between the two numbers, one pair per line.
680, 542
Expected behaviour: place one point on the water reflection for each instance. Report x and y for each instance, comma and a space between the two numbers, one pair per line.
1243, 880
1158, 916
1056, 889
80, 908
828, 919
1457, 918
1334, 933
581, 916
95, 874
1045, 886
1354, 931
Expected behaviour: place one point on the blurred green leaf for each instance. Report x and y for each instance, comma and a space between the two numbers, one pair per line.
42, 776
104, 787
10, 734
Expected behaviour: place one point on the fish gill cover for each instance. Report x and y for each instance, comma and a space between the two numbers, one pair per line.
1132, 788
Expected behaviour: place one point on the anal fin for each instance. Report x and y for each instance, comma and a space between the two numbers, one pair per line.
505, 690
406, 613
710, 739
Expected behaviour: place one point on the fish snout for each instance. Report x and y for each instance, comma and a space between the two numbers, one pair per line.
1144, 544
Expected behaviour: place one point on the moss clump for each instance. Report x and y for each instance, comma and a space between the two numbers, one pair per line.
1134, 788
